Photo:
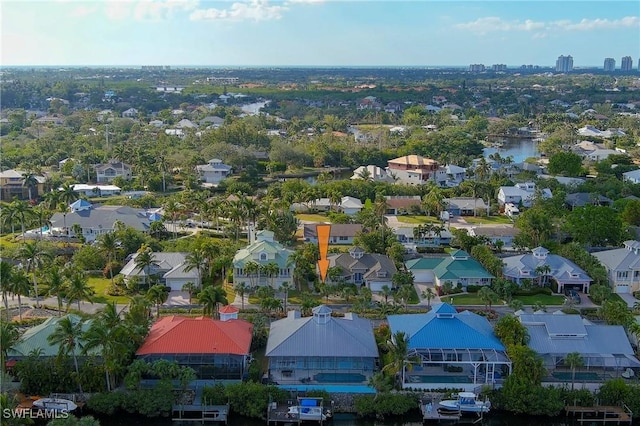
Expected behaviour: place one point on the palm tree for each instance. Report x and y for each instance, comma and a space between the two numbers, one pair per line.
107, 333
252, 269
574, 360
29, 181
242, 289
67, 335
108, 244
9, 336
543, 274
429, 294
398, 347
139, 311
67, 194
144, 261
21, 211
211, 297
6, 273
55, 280
20, 286
197, 260
35, 257
189, 287
386, 292
157, 295
488, 296
271, 270
78, 289
7, 217
285, 288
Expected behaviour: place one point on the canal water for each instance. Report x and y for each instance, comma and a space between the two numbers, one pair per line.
518, 149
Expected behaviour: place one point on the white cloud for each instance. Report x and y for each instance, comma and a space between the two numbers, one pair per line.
304, 1
82, 11
253, 10
496, 24
146, 9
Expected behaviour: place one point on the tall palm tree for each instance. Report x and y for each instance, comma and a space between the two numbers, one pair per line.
67, 194
271, 270
7, 217
22, 212
30, 182
108, 334
78, 289
488, 296
285, 288
189, 287
398, 347
241, 289
108, 244
157, 295
67, 335
574, 360
144, 261
252, 269
139, 311
211, 297
57, 284
35, 257
215, 209
429, 294
6, 273
197, 260
20, 286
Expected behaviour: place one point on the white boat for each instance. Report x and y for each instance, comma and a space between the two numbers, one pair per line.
55, 404
307, 413
467, 402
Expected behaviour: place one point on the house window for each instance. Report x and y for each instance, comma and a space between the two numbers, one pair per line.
263, 257
357, 277
342, 238
623, 274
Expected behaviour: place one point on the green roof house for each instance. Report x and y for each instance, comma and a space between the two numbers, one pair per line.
36, 339
457, 268
263, 251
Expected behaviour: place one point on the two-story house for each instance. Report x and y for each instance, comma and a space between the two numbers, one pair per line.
623, 266
13, 185
364, 269
263, 251
106, 173
340, 233
413, 169
522, 193
213, 172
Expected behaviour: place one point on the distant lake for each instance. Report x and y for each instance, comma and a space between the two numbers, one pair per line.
519, 149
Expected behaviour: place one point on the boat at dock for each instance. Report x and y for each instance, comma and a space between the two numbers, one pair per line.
309, 413
55, 404
467, 402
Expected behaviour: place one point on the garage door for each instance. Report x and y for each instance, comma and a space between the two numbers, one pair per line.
376, 286
423, 276
176, 285
622, 289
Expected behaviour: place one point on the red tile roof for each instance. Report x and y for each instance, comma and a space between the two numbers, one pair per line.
228, 309
202, 335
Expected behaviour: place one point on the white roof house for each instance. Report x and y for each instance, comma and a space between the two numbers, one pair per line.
633, 176
170, 268
589, 130
96, 190
524, 193
372, 173
213, 172
623, 266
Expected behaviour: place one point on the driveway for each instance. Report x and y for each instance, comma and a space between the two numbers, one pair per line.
628, 297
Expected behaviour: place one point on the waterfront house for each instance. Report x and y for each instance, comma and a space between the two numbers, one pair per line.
450, 349
340, 233
169, 268
372, 270
36, 339
372, 173
623, 266
322, 351
96, 190
215, 349
94, 221
456, 268
602, 347
263, 250
541, 266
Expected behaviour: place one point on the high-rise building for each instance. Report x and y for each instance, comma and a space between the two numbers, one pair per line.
564, 63
626, 64
476, 68
499, 67
609, 64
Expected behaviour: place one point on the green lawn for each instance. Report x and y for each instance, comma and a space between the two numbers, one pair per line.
417, 219
100, 285
462, 299
553, 300
313, 217
487, 220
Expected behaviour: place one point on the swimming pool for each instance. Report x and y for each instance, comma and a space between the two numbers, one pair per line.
339, 378
439, 379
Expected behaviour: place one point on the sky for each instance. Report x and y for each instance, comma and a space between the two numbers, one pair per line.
316, 32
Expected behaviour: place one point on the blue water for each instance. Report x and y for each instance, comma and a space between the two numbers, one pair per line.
518, 149
339, 378
330, 388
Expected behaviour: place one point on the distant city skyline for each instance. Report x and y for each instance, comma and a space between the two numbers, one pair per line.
317, 32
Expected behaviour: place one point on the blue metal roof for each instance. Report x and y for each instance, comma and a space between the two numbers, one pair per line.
440, 329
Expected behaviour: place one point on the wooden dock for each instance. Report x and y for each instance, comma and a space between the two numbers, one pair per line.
431, 412
601, 414
201, 413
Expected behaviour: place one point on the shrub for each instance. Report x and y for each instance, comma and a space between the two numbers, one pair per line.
473, 288
382, 404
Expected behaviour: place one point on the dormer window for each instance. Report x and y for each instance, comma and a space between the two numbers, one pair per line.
263, 257
381, 274
524, 272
